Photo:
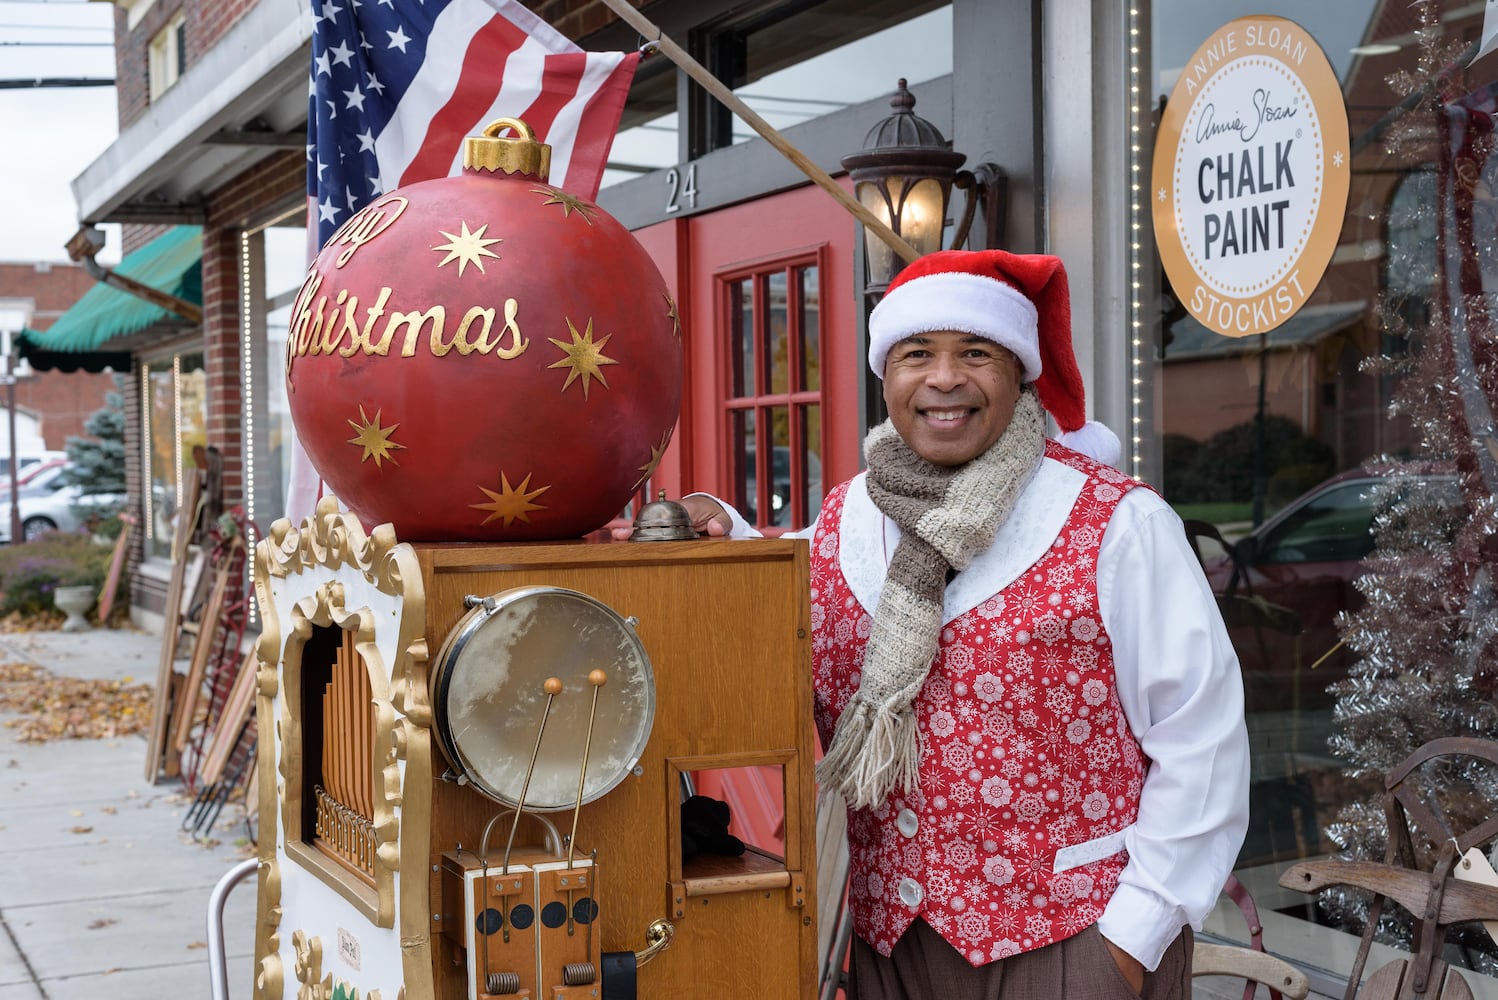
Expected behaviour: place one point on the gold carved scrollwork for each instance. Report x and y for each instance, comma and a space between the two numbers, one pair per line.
315, 986
330, 540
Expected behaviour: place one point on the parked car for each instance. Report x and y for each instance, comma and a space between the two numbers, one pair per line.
28, 463
1282, 585
27, 474
47, 503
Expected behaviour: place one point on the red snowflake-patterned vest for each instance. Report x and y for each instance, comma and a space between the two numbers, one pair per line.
1029, 773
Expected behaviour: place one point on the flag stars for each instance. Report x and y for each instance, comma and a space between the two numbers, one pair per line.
325, 211
398, 38
342, 55
372, 82
467, 248
366, 139
584, 358
355, 98
324, 65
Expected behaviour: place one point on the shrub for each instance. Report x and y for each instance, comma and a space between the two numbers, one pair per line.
30, 572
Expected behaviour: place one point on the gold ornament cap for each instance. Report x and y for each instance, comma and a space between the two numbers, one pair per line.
495, 153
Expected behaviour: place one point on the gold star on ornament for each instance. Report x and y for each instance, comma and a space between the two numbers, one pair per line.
374, 439
570, 203
467, 248
655, 460
674, 316
584, 357
511, 502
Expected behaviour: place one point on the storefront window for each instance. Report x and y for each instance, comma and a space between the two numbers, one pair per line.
1351, 439
273, 263
175, 422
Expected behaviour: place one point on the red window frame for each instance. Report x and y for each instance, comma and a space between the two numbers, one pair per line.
792, 414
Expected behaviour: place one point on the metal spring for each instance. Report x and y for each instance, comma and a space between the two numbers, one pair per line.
503, 983
579, 974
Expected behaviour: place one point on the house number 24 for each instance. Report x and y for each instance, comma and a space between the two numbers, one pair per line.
681, 191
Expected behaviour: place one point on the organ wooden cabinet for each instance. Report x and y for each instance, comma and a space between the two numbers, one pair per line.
411, 688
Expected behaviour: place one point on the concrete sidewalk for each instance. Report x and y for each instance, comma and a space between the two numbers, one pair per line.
101, 893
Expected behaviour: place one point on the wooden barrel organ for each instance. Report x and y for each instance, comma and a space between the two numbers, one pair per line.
502, 817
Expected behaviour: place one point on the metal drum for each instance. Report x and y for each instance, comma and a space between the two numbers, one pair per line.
489, 698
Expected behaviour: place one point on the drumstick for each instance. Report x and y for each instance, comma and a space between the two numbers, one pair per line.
597, 678
552, 687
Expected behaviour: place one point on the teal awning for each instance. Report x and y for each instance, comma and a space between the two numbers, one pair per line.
171, 263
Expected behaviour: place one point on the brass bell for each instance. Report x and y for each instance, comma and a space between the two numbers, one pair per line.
663, 520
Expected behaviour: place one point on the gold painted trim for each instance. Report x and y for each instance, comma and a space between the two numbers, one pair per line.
524, 155
331, 539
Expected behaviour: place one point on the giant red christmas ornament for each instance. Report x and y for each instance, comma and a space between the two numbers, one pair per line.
484, 357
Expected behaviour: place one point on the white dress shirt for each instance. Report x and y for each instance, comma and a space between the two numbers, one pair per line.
1177, 675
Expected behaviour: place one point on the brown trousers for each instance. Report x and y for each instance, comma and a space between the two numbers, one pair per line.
924, 966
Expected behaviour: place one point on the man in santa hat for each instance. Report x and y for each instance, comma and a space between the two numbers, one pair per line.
1023, 684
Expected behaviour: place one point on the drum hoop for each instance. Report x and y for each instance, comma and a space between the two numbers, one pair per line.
452, 650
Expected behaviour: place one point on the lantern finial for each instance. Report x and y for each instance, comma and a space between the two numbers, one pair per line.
523, 154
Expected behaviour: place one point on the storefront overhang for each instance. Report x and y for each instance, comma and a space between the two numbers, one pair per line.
1191, 341
246, 99
101, 328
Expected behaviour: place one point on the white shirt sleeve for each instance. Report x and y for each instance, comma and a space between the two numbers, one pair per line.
743, 529
1182, 694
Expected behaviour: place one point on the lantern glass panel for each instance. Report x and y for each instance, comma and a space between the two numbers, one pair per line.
881, 259
923, 214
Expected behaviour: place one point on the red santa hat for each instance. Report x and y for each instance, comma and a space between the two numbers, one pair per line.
1019, 301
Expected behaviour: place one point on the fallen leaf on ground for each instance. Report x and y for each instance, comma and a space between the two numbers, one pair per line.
52, 707
108, 810
101, 922
83, 829
195, 945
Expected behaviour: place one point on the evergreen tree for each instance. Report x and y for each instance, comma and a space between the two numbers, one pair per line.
98, 461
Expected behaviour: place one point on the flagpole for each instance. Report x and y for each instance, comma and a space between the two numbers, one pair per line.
714, 86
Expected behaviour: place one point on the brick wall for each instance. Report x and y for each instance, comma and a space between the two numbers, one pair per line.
244, 201
205, 23
135, 484
576, 19
62, 401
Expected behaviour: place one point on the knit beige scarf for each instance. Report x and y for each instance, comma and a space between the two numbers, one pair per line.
946, 517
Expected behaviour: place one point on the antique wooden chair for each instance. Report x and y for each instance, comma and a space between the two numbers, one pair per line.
1432, 895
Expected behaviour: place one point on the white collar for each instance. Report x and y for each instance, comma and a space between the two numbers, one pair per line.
868, 539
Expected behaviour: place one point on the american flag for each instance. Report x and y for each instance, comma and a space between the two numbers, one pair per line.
397, 84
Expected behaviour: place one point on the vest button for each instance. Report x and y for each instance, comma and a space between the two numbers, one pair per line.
907, 823
911, 892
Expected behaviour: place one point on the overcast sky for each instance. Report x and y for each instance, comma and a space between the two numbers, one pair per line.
52, 134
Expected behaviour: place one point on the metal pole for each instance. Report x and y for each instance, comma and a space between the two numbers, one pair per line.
15, 505
218, 964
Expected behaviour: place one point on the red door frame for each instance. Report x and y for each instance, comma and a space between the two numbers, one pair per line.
695, 255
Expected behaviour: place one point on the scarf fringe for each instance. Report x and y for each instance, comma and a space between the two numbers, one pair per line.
873, 751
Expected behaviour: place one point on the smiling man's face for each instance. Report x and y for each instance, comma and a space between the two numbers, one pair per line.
950, 395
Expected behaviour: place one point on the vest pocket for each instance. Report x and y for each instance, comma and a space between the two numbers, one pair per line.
1088, 851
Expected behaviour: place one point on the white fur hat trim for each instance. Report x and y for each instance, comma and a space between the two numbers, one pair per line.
967, 303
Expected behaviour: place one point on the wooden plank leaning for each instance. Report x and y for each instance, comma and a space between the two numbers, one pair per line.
207, 637
171, 628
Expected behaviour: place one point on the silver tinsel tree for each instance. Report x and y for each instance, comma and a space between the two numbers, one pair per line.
1427, 638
